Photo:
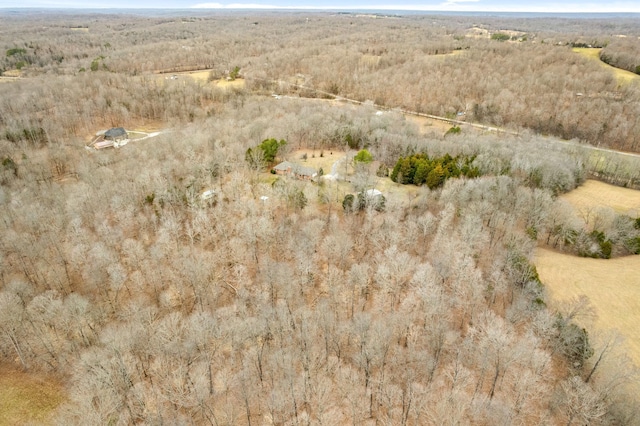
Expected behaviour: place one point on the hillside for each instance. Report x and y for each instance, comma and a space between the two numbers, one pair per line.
176, 279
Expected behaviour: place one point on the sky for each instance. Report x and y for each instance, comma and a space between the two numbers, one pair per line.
570, 6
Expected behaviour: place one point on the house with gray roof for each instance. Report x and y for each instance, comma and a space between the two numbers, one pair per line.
297, 171
116, 134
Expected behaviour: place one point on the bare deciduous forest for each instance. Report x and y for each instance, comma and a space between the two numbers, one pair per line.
270, 303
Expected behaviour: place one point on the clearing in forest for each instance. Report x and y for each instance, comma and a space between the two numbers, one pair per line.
593, 194
429, 125
612, 285
27, 398
623, 76
316, 159
336, 161
203, 76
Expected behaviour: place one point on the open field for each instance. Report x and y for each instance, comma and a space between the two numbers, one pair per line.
229, 84
27, 399
428, 125
612, 286
598, 194
202, 76
623, 76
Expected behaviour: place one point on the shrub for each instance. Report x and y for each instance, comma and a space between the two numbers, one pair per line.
235, 73
500, 36
363, 156
453, 131
16, 51
347, 203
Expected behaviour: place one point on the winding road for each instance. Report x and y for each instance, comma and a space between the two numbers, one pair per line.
439, 118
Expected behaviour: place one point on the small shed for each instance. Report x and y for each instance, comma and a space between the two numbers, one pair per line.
116, 134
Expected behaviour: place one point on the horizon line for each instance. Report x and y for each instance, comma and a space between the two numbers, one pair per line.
446, 7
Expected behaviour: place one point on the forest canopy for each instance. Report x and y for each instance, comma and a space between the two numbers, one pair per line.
343, 299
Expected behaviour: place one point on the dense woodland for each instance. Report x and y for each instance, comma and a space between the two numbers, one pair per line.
155, 307
623, 53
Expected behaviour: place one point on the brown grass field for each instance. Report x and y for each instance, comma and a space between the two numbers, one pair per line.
26, 398
202, 76
427, 125
612, 285
596, 194
623, 76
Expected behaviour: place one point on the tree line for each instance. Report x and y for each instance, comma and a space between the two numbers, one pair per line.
419, 169
622, 53
537, 83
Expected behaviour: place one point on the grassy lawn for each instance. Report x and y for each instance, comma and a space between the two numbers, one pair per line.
27, 398
623, 76
314, 160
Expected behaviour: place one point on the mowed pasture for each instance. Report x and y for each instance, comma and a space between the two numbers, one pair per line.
612, 285
623, 76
